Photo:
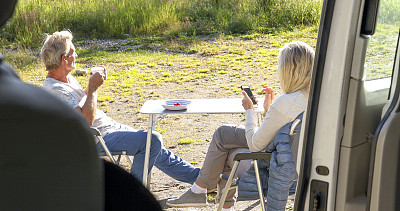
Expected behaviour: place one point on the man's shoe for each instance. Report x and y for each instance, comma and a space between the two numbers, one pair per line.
189, 199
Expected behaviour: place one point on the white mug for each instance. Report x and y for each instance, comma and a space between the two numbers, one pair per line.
97, 69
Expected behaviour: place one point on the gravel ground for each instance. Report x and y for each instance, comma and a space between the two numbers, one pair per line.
200, 128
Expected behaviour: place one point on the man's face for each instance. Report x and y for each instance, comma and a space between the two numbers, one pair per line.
71, 58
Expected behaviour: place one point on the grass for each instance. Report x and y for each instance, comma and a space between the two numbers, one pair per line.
172, 62
388, 12
174, 26
153, 18
382, 46
135, 75
381, 52
187, 141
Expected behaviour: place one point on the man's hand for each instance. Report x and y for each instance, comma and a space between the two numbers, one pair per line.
89, 108
96, 80
246, 102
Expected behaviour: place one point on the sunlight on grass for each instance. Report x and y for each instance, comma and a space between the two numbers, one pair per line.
381, 51
186, 141
135, 75
211, 197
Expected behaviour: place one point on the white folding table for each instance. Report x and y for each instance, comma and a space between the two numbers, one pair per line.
197, 106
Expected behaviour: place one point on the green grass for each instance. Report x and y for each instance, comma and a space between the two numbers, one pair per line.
389, 11
143, 64
153, 18
135, 75
382, 46
178, 56
186, 141
153, 27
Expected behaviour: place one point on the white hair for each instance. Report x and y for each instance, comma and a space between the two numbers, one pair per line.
54, 47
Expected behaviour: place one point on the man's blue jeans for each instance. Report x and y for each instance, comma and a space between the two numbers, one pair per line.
175, 167
134, 143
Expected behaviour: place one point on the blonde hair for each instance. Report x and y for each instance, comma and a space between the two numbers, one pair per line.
295, 66
55, 45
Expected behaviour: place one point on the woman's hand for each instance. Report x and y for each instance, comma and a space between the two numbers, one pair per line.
246, 102
269, 97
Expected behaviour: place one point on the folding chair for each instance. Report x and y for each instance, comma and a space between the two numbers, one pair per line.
294, 129
107, 152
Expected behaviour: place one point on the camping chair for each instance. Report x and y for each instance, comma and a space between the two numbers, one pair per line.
107, 152
111, 154
294, 134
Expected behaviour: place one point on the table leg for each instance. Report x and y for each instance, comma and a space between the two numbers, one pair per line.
147, 153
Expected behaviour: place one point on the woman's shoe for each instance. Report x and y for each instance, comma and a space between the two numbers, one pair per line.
189, 199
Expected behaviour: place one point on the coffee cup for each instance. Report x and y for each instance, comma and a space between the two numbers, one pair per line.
97, 69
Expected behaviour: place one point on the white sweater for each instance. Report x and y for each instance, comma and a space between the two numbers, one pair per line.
283, 110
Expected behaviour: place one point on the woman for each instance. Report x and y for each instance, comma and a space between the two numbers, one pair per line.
294, 67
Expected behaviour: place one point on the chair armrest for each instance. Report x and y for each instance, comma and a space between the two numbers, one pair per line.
294, 125
95, 132
252, 155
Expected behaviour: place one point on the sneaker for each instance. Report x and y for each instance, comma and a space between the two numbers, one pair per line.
189, 199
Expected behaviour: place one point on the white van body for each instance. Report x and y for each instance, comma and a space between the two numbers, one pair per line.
351, 132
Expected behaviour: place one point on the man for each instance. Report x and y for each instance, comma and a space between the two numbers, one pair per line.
59, 56
46, 167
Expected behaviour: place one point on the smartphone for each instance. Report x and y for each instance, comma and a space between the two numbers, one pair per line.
249, 93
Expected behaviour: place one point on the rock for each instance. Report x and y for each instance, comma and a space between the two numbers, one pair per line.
80, 72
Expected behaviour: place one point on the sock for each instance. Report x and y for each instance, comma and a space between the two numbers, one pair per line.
197, 189
227, 209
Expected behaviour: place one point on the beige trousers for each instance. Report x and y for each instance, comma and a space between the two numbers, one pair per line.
227, 141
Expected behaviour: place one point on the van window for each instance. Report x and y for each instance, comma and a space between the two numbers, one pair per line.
382, 47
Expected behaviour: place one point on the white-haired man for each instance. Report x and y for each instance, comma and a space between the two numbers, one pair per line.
59, 56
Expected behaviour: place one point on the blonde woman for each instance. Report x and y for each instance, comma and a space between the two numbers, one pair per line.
294, 68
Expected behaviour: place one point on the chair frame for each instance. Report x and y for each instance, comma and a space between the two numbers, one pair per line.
251, 156
107, 152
